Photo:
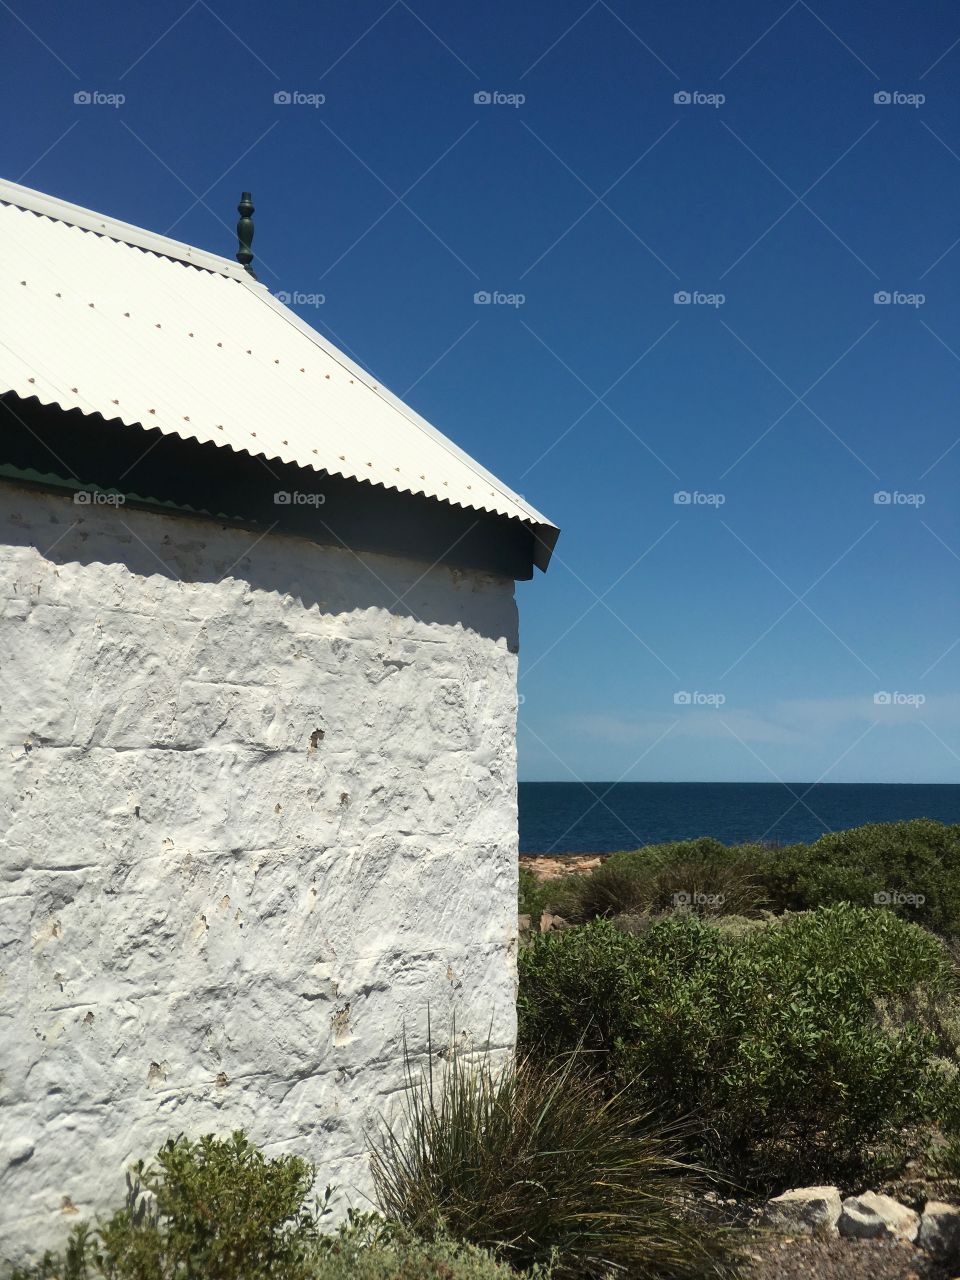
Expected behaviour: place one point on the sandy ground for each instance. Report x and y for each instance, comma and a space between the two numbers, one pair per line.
801, 1259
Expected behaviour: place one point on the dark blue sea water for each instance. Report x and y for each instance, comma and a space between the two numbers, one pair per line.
600, 817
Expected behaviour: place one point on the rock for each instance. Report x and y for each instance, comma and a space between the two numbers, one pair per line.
565, 864
940, 1230
549, 922
872, 1216
804, 1210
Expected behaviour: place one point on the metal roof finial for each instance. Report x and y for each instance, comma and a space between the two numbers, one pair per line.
245, 232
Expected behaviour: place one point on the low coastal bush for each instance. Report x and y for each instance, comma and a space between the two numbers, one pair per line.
911, 868
357, 1254
533, 893
221, 1210
534, 1164
536, 895
797, 1045
399, 1255
703, 875
215, 1207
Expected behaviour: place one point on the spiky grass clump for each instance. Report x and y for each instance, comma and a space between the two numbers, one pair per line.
534, 1164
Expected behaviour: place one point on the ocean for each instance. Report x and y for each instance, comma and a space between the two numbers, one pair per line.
602, 817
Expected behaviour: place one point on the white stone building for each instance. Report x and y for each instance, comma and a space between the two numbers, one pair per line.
258, 649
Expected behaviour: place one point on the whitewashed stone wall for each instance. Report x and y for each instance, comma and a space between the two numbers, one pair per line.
257, 814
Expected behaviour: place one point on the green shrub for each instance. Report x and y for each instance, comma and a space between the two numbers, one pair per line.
773, 1038
882, 863
531, 898
533, 1164
220, 1210
537, 896
212, 1208
361, 1254
914, 859
703, 875
400, 1255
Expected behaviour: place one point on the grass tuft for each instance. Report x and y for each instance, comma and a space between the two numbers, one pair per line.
534, 1164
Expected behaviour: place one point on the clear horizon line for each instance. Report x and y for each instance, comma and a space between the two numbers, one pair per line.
714, 782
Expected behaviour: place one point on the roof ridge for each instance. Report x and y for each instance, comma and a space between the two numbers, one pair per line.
76, 215
309, 418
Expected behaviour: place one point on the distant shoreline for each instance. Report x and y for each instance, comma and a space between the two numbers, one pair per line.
602, 818
719, 782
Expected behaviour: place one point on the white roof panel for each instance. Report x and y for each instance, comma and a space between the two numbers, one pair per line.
106, 318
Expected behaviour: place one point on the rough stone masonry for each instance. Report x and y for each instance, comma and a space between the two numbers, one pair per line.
259, 813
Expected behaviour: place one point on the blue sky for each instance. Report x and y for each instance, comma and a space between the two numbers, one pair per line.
748, 632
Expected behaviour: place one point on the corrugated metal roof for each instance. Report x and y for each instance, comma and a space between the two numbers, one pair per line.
107, 318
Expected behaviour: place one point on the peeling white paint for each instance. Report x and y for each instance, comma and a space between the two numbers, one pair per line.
257, 817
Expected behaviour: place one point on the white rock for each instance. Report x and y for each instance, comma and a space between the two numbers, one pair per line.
940, 1230
872, 1216
804, 1210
